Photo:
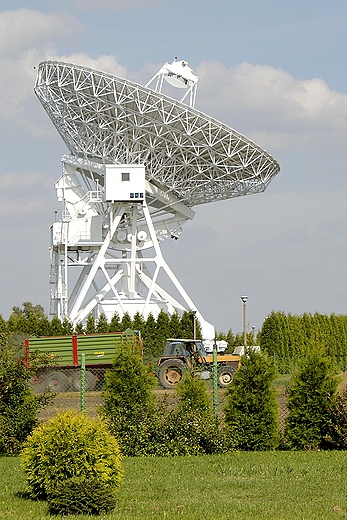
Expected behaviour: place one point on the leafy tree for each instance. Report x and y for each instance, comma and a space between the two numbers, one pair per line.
29, 310
251, 414
309, 397
102, 325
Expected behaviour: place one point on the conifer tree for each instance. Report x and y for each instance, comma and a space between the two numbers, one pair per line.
44, 327
3, 325
90, 324
126, 322
149, 337
67, 328
175, 326
139, 323
187, 325
79, 328
251, 414
129, 403
56, 327
115, 325
309, 397
162, 332
102, 326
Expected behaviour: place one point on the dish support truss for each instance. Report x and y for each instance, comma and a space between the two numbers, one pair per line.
116, 248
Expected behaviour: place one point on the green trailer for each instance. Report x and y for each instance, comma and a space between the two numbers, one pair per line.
64, 353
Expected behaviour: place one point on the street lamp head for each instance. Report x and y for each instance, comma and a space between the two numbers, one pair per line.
244, 298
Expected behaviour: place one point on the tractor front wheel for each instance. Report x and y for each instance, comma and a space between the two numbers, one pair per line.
170, 373
225, 376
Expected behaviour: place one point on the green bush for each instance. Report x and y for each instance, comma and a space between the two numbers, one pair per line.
251, 414
129, 404
81, 495
190, 428
70, 445
19, 406
311, 392
337, 437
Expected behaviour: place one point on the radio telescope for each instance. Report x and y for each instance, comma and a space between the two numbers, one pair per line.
138, 162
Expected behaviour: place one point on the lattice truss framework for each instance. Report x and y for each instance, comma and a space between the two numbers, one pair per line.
106, 118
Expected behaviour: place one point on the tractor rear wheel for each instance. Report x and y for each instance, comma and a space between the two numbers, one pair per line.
225, 376
90, 381
170, 373
56, 381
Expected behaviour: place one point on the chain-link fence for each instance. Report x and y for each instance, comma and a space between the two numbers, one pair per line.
68, 380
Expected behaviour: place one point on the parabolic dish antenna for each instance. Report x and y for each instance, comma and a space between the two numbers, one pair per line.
138, 162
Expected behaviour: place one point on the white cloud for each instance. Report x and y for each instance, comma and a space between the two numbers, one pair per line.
26, 38
27, 28
272, 107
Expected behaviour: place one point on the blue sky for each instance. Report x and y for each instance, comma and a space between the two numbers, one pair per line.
274, 71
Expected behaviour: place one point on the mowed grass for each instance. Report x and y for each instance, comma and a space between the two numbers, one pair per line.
242, 486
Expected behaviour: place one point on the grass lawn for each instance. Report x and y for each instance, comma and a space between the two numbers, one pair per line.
242, 486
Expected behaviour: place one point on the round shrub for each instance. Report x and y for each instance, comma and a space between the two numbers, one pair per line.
70, 445
81, 495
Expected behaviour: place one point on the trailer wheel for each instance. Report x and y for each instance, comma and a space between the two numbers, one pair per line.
56, 381
225, 376
170, 373
90, 381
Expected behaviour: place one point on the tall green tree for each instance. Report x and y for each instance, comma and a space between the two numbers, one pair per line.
126, 322
102, 326
115, 325
149, 337
311, 391
90, 324
162, 332
175, 326
130, 404
67, 328
139, 323
187, 325
251, 413
79, 329
56, 327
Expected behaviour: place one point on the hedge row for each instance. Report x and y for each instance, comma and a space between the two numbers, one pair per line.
289, 337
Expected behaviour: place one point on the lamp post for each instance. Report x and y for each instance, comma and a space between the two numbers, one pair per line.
244, 299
